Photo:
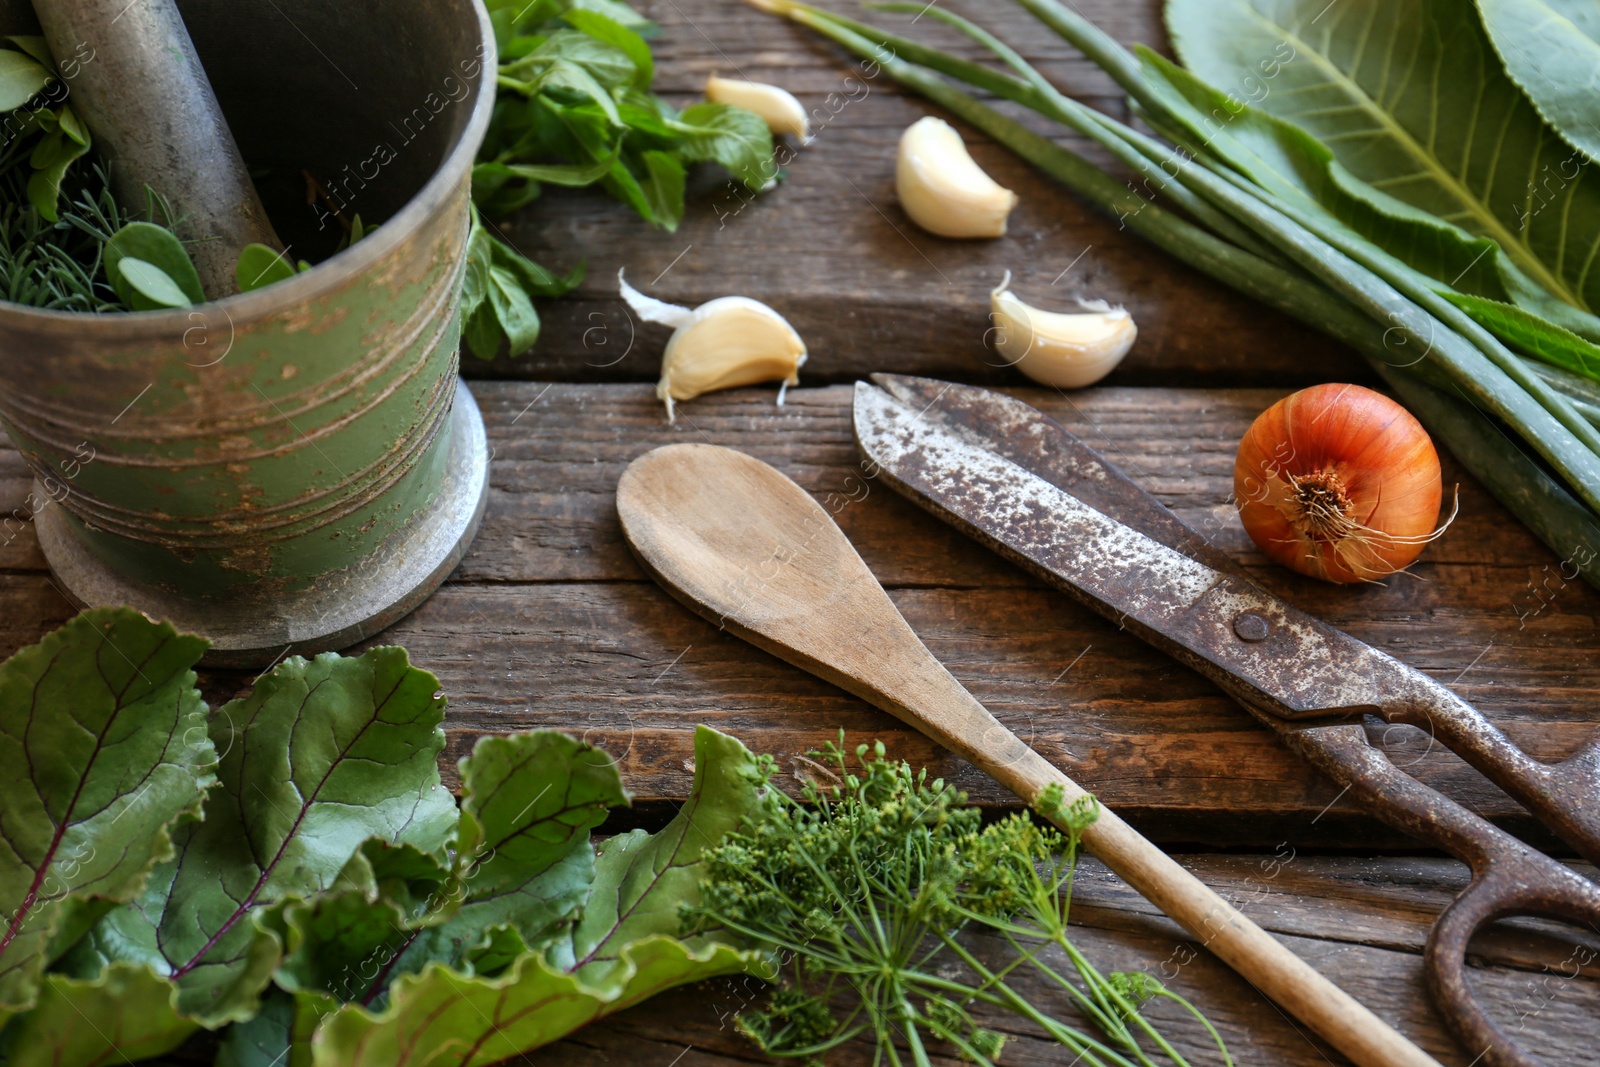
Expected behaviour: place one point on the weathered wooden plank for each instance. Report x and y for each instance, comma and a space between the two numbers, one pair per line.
568, 633
831, 249
1360, 921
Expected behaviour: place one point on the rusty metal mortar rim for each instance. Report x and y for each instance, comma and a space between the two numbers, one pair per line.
331, 274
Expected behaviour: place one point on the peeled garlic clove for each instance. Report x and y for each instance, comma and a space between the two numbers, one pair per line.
942, 189
777, 107
1061, 349
722, 344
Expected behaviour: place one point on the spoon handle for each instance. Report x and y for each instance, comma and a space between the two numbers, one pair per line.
1257, 956
929, 697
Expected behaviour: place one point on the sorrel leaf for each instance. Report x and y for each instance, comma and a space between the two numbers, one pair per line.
1551, 49
1411, 98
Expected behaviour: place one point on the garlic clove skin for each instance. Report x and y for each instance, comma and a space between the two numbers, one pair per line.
732, 341
1066, 350
722, 344
777, 107
942, 189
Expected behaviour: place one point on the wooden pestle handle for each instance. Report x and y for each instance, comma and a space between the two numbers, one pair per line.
138, 84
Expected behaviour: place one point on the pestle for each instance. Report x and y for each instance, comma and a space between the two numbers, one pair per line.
149, 106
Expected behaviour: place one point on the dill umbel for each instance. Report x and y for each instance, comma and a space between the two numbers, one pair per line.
861, 892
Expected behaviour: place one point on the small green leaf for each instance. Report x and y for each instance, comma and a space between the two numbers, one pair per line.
44, 187
150, 286
483, 334
260, 266
35, 46
21, 78
537, 280
71, 125
663, 187
1531, 335
621, 184
607, 63
498, 192
514, 310
732, 136
611, 32
573, 174
620, 13
567, 76
475, 280
157, 246
50, 148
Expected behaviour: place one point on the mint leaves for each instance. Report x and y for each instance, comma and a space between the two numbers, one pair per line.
290, 867
575, 109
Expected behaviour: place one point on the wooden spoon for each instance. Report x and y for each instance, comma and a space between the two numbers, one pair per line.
747, 548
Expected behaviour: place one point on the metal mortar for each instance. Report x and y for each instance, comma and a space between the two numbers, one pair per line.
291, 469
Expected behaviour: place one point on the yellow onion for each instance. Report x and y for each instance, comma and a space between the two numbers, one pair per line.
1340, 483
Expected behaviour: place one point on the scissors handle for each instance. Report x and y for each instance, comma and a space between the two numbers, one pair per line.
1564, 796
1506, 885
1509, 878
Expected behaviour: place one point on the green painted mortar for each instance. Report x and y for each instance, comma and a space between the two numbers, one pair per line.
244, 449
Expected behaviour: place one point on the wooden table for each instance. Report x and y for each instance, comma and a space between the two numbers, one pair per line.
549, 622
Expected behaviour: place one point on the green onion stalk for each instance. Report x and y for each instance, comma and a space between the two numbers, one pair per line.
1529, 433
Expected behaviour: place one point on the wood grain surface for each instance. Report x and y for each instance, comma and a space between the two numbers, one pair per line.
832, 250
1362, 922
549, 622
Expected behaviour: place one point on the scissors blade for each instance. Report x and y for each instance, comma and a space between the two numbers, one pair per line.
1020, 483
1042, 446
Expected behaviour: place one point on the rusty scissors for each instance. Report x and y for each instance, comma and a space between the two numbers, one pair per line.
1019, 483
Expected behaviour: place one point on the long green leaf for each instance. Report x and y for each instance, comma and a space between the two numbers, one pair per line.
103, 748
1411, 98
1531, 335
1551, 49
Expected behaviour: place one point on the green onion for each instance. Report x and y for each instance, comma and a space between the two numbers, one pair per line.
1529, 434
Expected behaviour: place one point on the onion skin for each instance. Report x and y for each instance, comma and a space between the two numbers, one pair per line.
1338, 482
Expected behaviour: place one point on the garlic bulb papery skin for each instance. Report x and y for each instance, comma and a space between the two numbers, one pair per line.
722, 344
942, 189
1063, 349
777, 107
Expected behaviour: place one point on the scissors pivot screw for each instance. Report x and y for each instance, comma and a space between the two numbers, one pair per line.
1251, 627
